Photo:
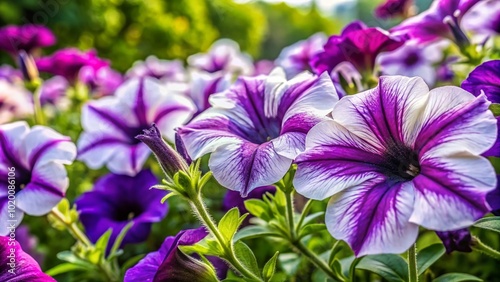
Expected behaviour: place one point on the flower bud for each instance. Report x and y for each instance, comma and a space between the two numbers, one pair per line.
170, 161
181, 148
27, 66
457, 240
460, 37
184, 268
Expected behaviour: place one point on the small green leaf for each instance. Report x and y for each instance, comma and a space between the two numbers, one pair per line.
456, 277
391, 267
229, 224
490, 223
102, 242
311, 229
257, 208
246, 256
429, 256
66, 267
312, 217
206, 246
119, 240
270, 267
68, 256
253, 231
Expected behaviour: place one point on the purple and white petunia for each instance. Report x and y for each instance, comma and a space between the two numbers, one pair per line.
15, 102
224, 55
164, 70
396, 157
25, 37
483, 20
295, 58
357, 44
117, 200
18, 266
256, 128
111, 123
170, 264
413, 59
102, 81
35, 158
203, 84
394, 8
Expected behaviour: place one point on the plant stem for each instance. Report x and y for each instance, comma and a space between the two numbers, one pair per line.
289, 215
412, 264
303, 215
485, 249
201, 210
72, 227
38, 111
318, 262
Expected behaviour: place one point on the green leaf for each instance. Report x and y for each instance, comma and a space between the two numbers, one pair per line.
311, 229
495, 108
429, 256
229, 224
65, 267
246, 256
119, 239
253, 231
270, 267
289, 263
391, 267
68, 256
312, 217
490, 223
456, 277
257, 208
207, 246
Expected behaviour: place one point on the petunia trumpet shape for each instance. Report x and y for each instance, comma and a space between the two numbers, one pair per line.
256, 128
111, 123
32, 169
396, 157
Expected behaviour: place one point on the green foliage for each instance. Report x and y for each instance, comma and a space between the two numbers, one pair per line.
270, 268
429, 256
246, 256
456, 277
490, 223
391, 267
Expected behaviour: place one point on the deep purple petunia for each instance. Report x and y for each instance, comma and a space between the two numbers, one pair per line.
224, 55
358, 45
256, 128
111, 123
117, 200
166, 264
35, 158
394, 8
435, 22
68, 62
164, 70
101, 82
456, 240
295, 58
18, 266
25, 37
485, 77
396, 157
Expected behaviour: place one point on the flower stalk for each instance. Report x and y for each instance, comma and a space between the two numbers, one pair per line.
412, 264
479, 246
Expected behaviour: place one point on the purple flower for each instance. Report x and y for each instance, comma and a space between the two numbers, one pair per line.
203, 84
165, 70
224, 55
396, 157
117, 200
15, 102
394, 8
35, 159
358, 44
25, 37
102, 81
10, 74
256, 128
494, 198
168, 263
68, 62
437, 22
413, 60
456, 240
53, 89
295, 58
18, 266
111, 123
485, 77
483, 19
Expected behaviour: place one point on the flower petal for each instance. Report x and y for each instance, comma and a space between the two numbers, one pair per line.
11, 135
96, 148
129, 160
43, 144
373, 218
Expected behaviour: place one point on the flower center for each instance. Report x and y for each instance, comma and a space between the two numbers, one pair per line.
127, 212
412, 59
401, 162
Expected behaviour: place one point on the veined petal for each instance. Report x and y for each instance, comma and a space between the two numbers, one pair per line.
12, 134
450, 192
244, 166
129, 160
373, 218
335, 159
386, 114
96, 148
43, 144
290, 144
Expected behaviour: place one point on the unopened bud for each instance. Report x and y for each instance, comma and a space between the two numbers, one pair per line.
460, 37
27, 66
457, 240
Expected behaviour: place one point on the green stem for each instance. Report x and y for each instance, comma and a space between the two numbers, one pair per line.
38, 111
305, 212
485, 249
201, 210
412, 264
289, 215
317, 261
73, 228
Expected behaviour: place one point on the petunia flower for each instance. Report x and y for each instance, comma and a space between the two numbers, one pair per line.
68, 62
116, 200
203, 84
441, 20
295, 58
169, 263
35, 158
165, 70
18, 266
25, 37
111, 123
413, 59
456, 240
256, 128
485, 77
15, 102
483, 20
53, 90
224, 55
101, 82
396, 157
358, 45
394, 8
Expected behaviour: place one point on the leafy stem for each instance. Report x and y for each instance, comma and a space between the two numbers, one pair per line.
72, 228
412, 264
485, 249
